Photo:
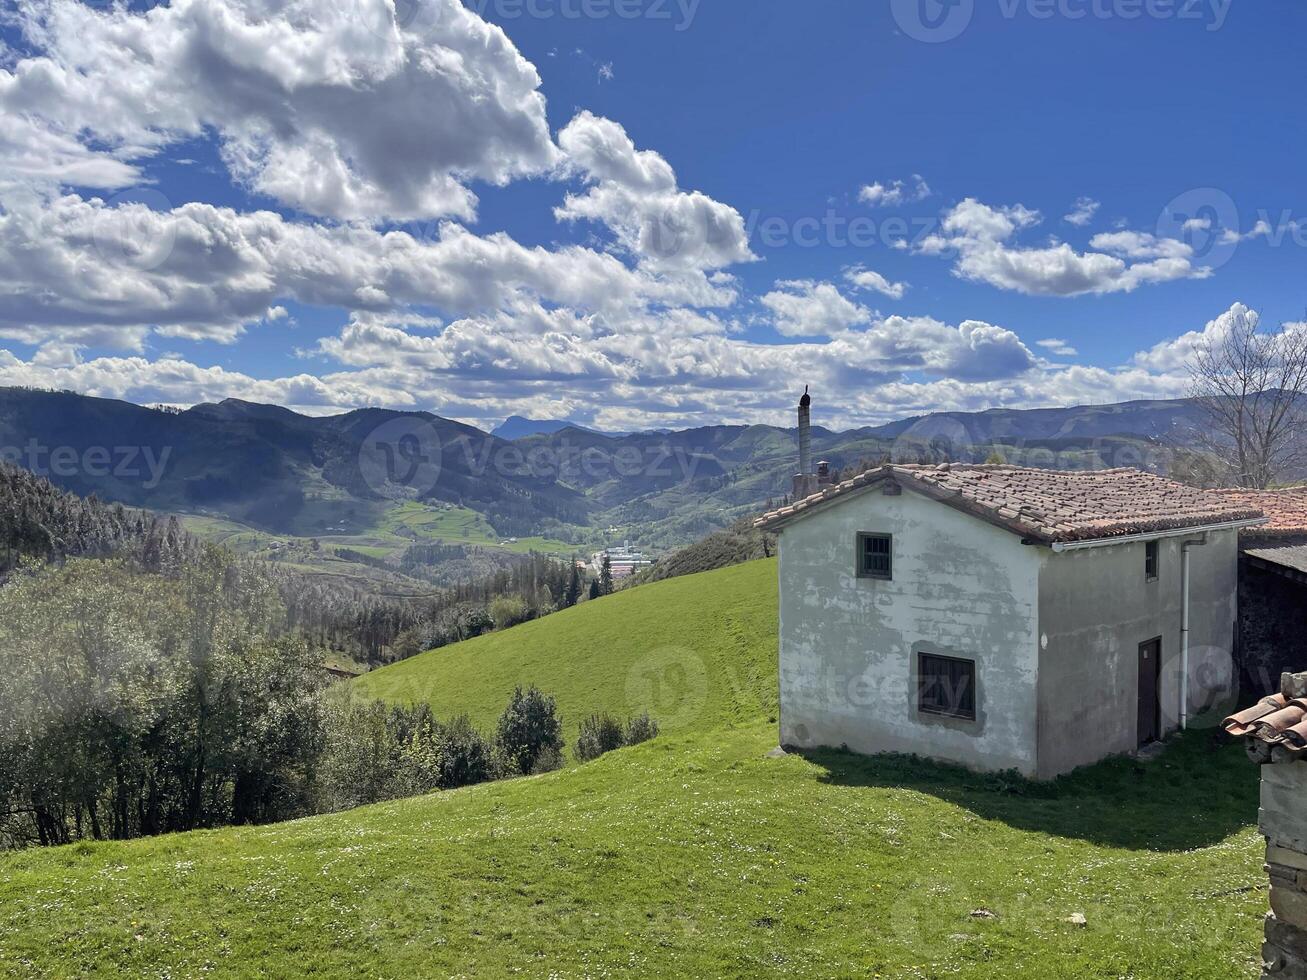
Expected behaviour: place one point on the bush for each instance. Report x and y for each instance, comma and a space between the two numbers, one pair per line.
466, 756
528, 726
508, 610
598, 734
641, 729
548, 760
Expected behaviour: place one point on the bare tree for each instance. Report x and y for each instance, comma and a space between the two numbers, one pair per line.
1253, 387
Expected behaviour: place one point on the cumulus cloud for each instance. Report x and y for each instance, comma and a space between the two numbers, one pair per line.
804, 308
1171, 356
1082, 212
81, 270
863, 278
673, 368
634, 193
313, 102
981, 237
895, 192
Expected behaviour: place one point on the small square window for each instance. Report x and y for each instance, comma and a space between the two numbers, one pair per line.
1150, 561
946, 686
875, 556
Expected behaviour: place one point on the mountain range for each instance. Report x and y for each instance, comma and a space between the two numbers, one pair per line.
272, 469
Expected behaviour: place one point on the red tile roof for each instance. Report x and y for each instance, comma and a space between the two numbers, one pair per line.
1287, 510
1047, 505
1276, 721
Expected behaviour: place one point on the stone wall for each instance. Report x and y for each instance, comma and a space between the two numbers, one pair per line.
1283, 819
1272, 628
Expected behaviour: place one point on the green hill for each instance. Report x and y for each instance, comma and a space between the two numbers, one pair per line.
697, 653
692, 855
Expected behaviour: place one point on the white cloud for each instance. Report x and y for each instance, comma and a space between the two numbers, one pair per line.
894, 193
313, 102
1262, 229
804, 308
1059, 348
85, 272
981, 236
862, 278
1082, 212
1171, 356
673, 369
634, 193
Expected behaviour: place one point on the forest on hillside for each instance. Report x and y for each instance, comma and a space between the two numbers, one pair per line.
155, 683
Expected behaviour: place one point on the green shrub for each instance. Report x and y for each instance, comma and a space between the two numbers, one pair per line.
466, 756
598, 734
528, 727
549, 759
641, 729
508, 610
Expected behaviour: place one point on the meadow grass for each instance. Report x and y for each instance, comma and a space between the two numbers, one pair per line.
696, 854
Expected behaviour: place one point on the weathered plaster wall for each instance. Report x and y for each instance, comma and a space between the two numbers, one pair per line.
848, 646
1095, 608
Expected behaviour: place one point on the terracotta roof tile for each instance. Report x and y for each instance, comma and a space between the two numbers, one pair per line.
1049, 505
1287, 509
1276, 728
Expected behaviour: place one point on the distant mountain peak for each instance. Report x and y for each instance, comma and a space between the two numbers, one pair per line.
519, 427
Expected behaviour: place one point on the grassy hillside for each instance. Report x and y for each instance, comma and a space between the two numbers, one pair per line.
697, 652
684, 857
692, 855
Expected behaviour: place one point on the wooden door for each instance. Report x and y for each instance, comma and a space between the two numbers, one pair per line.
1150, 673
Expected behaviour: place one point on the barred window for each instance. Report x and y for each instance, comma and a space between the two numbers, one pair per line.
875, 556
947, 686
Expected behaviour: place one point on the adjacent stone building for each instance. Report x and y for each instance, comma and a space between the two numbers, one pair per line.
1003, 617
1272, 589
1276, 730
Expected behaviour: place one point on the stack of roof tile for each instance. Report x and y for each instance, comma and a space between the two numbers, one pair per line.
1276, 731
1278, 721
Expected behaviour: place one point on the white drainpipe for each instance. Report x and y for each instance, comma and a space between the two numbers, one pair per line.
1184, 627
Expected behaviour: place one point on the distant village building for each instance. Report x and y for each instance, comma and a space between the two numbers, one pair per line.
1276, 730
1002, 617
1272, 588
623, 561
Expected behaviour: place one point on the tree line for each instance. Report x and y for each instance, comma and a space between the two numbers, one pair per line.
136, 703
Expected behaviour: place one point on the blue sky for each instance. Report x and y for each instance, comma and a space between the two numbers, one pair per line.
637, 212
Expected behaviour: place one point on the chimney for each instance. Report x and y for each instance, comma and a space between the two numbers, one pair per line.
803, 481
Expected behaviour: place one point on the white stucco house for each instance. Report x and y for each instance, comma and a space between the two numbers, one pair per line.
1001, 617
